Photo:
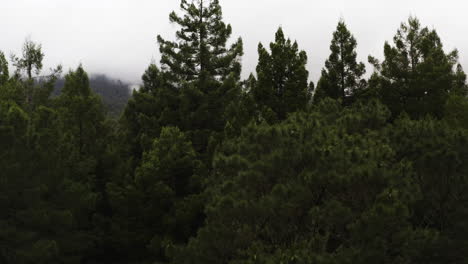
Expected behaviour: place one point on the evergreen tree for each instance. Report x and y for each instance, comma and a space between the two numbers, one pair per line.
34, 90
4, 73
82, 115
304, 190
457, 111
163, 206
342, 75
198, 79
194, 174
30, 61
282, 86
438, 154
417, 75
204, 69
152, 106
200, 54
86, 156
169, 175
47, 217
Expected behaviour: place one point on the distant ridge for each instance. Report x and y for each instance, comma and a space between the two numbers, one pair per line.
114, 93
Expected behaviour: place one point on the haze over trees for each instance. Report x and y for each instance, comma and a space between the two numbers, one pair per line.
114, 93
204, 167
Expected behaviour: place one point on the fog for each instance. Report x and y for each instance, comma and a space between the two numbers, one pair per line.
118, 37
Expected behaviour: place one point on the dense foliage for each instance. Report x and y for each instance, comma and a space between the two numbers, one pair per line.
114, 93
341, 77
203, 167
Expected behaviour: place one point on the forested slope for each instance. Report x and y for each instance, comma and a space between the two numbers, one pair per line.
114, 93
204, 167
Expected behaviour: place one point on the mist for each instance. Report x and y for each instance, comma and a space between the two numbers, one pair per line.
118, 37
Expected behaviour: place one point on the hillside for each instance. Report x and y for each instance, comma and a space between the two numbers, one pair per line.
114, 93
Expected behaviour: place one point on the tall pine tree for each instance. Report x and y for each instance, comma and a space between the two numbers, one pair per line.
200, 54
282, 86
342, 74
205, 70
4, 73
417, 75
199, 78
152, 106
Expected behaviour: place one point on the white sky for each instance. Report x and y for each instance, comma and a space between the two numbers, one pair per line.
118, 37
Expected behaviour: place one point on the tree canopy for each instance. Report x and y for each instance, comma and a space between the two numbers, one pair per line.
282, 86
342, 75
204, 167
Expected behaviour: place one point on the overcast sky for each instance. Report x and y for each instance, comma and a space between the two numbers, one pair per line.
118, 37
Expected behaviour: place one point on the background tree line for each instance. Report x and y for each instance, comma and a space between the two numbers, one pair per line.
204, 167
114, 93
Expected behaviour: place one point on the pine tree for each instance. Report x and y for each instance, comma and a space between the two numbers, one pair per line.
198, 78
84, 131
282, 86
301, 190
31, 60
82, 115
87, 157
417, 75
438, 155
200, 54
342, 75
48, 212
29, 63
201, 71
152, 106
169, 175
4, 73
32, 90
162, 206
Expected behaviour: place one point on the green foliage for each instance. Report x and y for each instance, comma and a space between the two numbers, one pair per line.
457, 111
150, 108
282, 86
206, 168
417, 75
197, 81
204, 69
32, 90
165, 194
82, 119
304, 189
4, 73
31, 59
114, 93
200, 55
342, 75
50, 187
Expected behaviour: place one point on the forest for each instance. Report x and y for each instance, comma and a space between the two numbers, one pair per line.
114, 93
201, 166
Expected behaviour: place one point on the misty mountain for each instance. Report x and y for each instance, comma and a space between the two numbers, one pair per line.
114, 93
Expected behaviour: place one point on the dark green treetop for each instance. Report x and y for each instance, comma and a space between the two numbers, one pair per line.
203, 69
4, 73
200, 52
342, 74
282, 85
83, 129
152, 106
36, 89
77, 83
417, 75
31, 59
319, 187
